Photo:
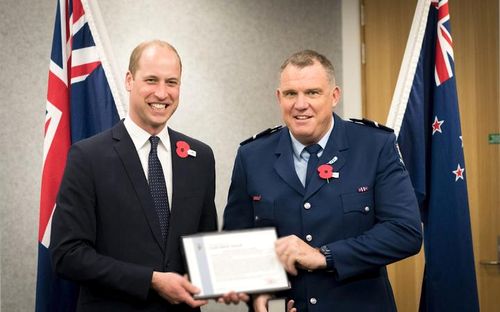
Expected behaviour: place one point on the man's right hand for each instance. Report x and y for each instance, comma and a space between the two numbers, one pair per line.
260, 303
176, 288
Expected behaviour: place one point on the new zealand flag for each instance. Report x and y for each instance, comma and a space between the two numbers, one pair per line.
430, 140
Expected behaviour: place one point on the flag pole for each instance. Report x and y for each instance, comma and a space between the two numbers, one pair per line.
408, 66
103, 45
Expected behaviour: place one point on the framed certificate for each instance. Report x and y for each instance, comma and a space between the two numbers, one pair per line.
240, 261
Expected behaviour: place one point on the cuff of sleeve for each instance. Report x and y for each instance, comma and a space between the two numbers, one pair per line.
330, 263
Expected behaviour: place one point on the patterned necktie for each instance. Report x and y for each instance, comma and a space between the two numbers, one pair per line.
157, 186
313, 151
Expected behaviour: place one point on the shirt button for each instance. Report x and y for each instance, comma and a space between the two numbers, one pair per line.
313, 300
309, 237
256, 218
367, 208
307, 205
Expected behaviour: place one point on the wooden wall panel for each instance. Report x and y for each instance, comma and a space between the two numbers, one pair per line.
384, 48
476, 39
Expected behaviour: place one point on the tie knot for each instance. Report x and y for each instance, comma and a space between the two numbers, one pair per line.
154, 142
313, 149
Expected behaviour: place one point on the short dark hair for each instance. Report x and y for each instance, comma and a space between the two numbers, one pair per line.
306, 58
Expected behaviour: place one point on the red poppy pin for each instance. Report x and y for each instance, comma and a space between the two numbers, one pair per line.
326, 172
183, 149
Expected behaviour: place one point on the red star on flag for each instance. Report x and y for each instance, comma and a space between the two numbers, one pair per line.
459, 173
436, 125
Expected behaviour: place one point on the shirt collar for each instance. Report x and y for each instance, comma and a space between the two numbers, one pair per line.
298, 147
140, 136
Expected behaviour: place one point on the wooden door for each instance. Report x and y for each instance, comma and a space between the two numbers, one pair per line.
475, 30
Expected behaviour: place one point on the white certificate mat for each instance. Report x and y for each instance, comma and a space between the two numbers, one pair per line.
240, 261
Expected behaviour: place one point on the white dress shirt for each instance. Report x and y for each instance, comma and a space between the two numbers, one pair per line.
140, 137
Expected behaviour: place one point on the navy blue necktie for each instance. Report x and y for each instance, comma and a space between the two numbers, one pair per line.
312, 164
157, 186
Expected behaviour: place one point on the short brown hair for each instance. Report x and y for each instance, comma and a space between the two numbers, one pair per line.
306, 58
137, 52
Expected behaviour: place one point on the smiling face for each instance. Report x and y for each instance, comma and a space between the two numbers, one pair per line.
154, 88
307, 97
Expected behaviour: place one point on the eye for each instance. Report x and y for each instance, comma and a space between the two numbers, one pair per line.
289, 93
150, 80
172, 82
313, 92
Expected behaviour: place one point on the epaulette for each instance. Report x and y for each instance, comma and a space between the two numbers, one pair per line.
261, 134
371, 123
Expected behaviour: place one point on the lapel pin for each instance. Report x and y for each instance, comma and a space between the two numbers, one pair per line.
362, 189
183, 149
333, 160
326, 171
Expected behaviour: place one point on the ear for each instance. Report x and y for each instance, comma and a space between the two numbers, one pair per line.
129, 81
278, 95
336, 93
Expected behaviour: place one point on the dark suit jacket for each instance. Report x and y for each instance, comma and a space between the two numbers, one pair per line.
368, 216
105, 230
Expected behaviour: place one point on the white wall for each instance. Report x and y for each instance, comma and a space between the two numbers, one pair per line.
25, 41
231, 53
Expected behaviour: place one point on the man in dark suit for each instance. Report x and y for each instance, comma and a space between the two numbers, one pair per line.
129, 193
336, 191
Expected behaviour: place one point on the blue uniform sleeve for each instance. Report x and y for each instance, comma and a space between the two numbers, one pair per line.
238, 213
397, 231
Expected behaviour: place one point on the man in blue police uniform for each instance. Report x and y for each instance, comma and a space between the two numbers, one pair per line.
336, 191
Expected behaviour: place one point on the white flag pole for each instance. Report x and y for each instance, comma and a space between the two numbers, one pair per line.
408, 66
103, 45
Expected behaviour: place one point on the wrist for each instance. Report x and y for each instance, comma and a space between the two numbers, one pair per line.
155, 280
327, 253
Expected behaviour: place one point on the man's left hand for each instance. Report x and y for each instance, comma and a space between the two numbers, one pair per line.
294, 253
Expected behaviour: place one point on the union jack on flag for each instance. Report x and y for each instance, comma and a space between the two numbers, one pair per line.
444, 48
426, 117
79, 104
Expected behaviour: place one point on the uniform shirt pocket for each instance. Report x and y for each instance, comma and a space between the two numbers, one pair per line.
358, 214
263, 214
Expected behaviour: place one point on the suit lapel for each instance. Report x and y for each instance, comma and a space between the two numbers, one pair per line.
128, 154
284, 165
179, 189
336, 150
180, 167
177, 169
176, 164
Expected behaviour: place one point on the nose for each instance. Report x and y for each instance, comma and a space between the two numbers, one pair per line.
161, 91
301, 102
